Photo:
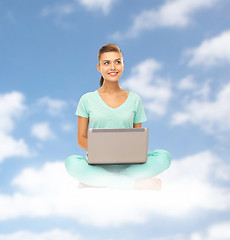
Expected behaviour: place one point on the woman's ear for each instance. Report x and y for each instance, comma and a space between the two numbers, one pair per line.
98, 68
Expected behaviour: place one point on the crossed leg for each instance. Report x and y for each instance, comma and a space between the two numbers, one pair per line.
132, 176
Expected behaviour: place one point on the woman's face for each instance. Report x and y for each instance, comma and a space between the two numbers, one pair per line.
111, 66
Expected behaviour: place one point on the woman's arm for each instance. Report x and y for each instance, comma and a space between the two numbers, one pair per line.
137, 125
82, 129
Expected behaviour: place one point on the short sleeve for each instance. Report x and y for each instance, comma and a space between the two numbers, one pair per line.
140, 115
82, 107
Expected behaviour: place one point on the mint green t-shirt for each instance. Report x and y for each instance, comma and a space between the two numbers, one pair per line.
101, 115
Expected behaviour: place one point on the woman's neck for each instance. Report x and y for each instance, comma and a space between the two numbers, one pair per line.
110, 87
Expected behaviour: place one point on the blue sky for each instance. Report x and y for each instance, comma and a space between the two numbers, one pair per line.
176, 56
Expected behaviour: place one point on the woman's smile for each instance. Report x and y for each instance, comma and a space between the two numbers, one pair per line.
113, 73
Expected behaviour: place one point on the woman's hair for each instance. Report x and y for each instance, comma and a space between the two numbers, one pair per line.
110, 47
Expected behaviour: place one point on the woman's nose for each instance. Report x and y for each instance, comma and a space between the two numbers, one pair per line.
112, 65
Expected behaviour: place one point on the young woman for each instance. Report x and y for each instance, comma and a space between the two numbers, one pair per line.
113, 107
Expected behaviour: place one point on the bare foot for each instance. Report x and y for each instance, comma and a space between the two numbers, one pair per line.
148, 184
83, 185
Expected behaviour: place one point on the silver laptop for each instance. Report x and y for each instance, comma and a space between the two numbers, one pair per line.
117, 145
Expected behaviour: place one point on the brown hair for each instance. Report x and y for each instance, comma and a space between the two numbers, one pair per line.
110, 47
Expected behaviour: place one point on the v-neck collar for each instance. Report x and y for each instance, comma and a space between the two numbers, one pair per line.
112, 107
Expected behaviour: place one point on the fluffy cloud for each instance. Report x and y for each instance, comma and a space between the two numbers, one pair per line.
214, 51
212, 116
54, 106
11, 107
49, 235
59, 10
42, 131
220, 231
187, 83
155, 92
189, 184
70, 8
104, 5
174, 13
9, 147
68, 127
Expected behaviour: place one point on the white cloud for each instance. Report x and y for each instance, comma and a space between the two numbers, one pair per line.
67, 127
11, 107
70, 8
9, 147
59, 10
191, 184
222, 172
188, 184
156, 92
42, 131
55, 234
212, 116
54, 106
220, 231
104, 5
204, 90
214, 51
187, 83
174, 13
